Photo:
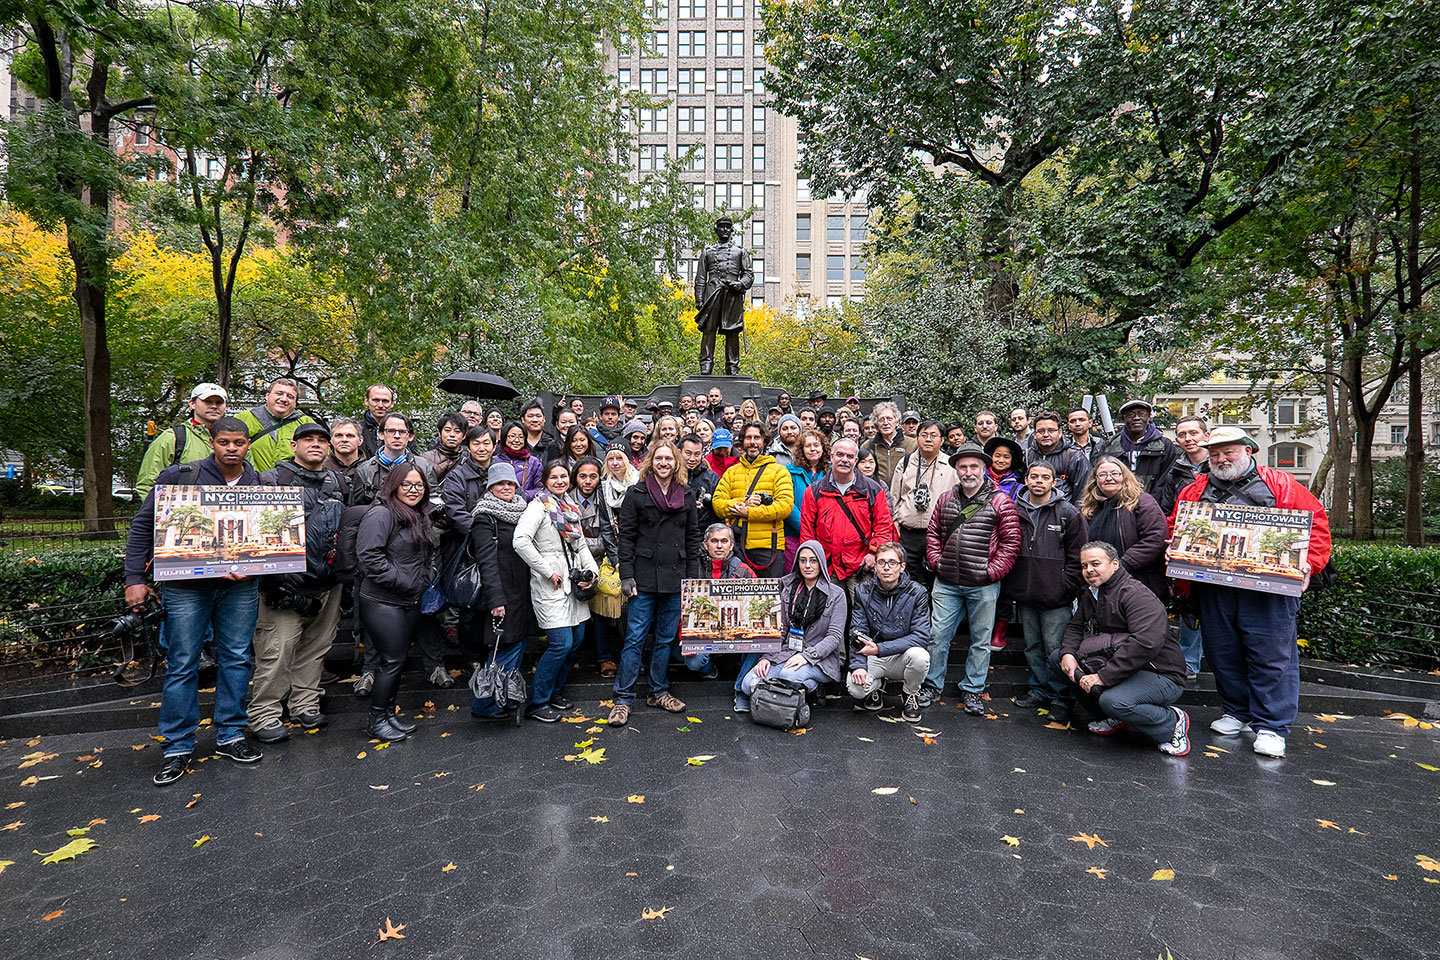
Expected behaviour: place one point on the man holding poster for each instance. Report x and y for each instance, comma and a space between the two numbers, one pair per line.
1250, 634
226, 604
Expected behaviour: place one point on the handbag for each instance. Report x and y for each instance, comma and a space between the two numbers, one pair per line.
780, 703
491, 681
460, 580
433, 599
609, 583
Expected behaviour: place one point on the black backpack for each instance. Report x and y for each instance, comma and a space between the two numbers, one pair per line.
347, 561
322, 524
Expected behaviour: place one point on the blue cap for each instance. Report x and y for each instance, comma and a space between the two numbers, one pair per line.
610, 402
722, 438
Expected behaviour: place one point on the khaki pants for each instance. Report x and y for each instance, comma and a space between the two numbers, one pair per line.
289, 656
909, 666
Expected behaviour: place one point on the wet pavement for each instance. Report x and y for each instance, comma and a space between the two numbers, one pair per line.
859, 838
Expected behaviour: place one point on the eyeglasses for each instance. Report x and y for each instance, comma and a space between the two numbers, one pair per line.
396, 433
888, 563
408, 485
1108, 476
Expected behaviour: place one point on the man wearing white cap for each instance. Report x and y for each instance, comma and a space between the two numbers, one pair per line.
1250, 636
184, 442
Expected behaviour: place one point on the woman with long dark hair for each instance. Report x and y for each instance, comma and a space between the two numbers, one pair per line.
395, 554
515, 450
576, 445
1118, 511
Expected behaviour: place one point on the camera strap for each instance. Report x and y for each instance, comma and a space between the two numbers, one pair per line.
127, 654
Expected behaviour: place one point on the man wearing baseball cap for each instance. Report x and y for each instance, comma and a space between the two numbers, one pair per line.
1145, 450
184, 442
1250, 635
607, 429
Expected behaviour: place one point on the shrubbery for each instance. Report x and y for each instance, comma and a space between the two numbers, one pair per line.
1384, 609
87, 582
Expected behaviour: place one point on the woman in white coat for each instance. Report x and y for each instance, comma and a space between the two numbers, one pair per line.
550, 540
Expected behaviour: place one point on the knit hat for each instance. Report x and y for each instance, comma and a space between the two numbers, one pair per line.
500, 472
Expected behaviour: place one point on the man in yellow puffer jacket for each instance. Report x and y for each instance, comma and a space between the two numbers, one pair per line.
754, 497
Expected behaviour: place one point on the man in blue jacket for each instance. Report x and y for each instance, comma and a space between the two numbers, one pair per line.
227, 606
889, 634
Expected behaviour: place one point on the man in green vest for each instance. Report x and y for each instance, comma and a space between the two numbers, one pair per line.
273, 423
184, 442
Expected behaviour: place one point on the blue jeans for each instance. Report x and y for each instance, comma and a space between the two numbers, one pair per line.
663, 610
554, 667
1190, 642
1250, 643
509, 659
807, 674
1043, 631
1143, 700
228, 609
948, 605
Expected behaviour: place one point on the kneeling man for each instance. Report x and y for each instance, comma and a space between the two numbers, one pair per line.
889, 634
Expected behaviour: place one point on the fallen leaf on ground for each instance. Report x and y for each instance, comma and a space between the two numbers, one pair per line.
600, 819
444, 735
1427, 863
1216, 749
203, 840
1099, 872
800, 732
1052, 725
1390, 876
694, 720
1314, 730
914, 801
97, 823
1320, 745
594, 729
1019, 770
31, 759
575, 719
1012, 841
382, 746
77, 831
379, 786
1327, 824
635, 798
584, 744
6, 863
449, 867
12, 826
650, 913
591, 755
477, 786
700, 760
1426, 766
15, 806
360, 755
1089, 839
1019, 810
391, 932
52, 914
607, 703
1360, 833
194, 799
1163, 875
865, 739
1323, 783
1404, 718
885, 791
442, 773
70, 851
140, 746
150, 818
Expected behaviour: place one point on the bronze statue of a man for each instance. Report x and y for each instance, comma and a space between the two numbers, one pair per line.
723, 277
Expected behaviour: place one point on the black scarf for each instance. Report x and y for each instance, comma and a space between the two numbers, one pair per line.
806, 604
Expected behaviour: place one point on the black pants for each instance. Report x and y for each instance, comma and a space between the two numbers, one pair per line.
707, 351
914, 543
390, 630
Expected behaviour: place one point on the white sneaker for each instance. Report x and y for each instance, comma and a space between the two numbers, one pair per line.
1228, 726
1268, 743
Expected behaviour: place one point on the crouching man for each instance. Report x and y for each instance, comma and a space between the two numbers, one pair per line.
1117, 651
889, 634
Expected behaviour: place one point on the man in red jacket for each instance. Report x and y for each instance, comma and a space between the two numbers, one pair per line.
1250, 636
849, 514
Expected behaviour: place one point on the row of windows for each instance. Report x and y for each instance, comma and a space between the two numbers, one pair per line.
691, 43
757, 269
1283, 413
692, 119
695, 9
690, 81
802, 194
834, 228
729, 158
834, 268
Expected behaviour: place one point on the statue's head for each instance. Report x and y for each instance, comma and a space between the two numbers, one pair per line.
724, 229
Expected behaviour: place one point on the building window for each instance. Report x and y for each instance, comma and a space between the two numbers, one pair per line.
759, 83
802, 228
696, 163
857, 270
757, 156
759, 46
729, 43
757, 232
802, 190
728, 81
142, 135
1234, 414
859, 228
729, 156
622, 76
691, 9
835, 228
729, 119
729, 195
729, 10
659, 44
213, 169
1398, 433
697, 196
758, 200
835, 267
655, 82
653, 156
757, 300
692, 119
692, 82
757, 266
802, 267
1289, 413
759, 118
655, 121
691, 43
1288, 456
657, 9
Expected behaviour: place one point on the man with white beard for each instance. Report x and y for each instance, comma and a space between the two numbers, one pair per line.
1250, 636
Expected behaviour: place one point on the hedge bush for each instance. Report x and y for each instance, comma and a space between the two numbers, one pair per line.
86, 584
1384, 609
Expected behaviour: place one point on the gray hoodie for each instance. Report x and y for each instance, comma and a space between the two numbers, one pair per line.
823, 637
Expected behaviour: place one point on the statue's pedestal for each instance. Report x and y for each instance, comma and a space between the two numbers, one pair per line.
736, 389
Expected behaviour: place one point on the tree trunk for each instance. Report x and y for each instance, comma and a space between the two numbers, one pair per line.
1322, 472
1342, 449
1364, 526
1414, 454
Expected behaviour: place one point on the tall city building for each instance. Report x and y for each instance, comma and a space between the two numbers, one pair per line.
706, 59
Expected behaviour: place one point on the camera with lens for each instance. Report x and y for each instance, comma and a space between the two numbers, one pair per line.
584, 582
922, 496
147, 616
766, 499
286, 597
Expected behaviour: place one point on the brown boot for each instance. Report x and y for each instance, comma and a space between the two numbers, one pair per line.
666, 701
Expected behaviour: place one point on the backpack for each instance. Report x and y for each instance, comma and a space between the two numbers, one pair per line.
180, 439
322, 524
347, 560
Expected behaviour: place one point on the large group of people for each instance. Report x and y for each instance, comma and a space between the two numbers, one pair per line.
887, 531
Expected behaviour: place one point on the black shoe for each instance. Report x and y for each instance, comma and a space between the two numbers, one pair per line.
172, 769
874, 701
910, 713
560, 703
383, 728
240, 751
403, 725
974, 704
928, 697
503, 715
1060, 712
1028, 701
546, 714
313, 720
272, 732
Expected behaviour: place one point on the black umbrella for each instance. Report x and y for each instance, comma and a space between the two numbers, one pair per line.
481, 386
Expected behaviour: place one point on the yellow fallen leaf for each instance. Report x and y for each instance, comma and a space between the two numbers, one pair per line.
382, 746
1427, 863
1361, 833
1089, 839
914, 801
15, 806
1216, 749
583, 744
449, 867
699, 761
1390, 876
590, 755
800, 731
1320, 745
1327, 824
1019, 810
885, 791
1323, 783
694, 720
477, 786
150, 818
52, 914
360, 755
1404, 718
442, 773
202, 840
575, 719
635, 798
1163, 875
632, 874
12, 826
70, 851
194, 799
31, 759
1212, 756
36, 742
650, 913
1012, 841
444, 735
1098, 872
140, 746
391, 932
1426, 766
6, 863
594, 729
97, 823
29, 781
77, 831
379, 786
1052, 725
1314, 730
600, 819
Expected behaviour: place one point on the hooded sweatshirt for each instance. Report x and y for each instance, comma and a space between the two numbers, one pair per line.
823, 636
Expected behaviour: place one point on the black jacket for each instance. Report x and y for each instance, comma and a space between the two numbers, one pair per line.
658, 548
1047, 572
895, 619
1141, 535
701, 484
318, 485
140, 544
370, 477
461, 489
1152, 462
1125, 626
505, 575
397, 565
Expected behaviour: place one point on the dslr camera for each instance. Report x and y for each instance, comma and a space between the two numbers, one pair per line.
148, 616
285, 597
766, 499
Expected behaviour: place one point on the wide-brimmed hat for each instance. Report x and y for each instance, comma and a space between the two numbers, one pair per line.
1017, 452
1223, 436
969, 449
